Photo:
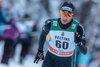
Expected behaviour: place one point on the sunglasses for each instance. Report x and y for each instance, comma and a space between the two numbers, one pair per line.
66, 14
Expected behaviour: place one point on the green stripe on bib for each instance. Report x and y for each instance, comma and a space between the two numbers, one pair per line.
71, 28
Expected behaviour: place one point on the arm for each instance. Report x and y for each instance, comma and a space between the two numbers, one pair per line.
3, 16
80, 39
45, 31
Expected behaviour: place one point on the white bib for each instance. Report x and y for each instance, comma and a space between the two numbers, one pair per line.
61, 43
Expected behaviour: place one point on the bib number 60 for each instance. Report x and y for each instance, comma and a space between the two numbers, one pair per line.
60, 44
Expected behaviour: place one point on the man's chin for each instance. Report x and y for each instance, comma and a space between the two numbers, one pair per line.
64, 22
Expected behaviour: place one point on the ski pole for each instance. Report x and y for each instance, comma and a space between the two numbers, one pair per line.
75, 55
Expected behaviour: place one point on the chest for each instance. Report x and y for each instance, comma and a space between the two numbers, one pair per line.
62, 35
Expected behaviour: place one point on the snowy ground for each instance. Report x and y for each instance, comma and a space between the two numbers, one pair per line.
28, 62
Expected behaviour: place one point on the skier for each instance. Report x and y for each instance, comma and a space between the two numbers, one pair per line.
3, 18
10, 35
65, 33
26, 28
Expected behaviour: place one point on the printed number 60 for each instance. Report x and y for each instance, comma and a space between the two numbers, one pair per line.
60, 44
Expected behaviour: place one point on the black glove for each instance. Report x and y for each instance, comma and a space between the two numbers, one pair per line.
39, 56
78, 39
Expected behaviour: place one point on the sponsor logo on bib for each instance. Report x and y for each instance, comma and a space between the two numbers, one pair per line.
54, 23
73, 26
62, 34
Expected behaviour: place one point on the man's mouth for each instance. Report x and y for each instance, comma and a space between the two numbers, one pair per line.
64, 20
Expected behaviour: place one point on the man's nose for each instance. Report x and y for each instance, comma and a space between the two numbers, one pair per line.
65, 17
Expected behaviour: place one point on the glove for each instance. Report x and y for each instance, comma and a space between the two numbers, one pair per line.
39, 56
78, 39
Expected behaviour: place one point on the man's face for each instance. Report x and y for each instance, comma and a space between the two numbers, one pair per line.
65, 18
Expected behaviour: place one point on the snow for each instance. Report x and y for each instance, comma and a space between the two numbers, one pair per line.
28, 62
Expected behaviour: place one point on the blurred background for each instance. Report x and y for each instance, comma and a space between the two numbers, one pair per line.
21, 22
